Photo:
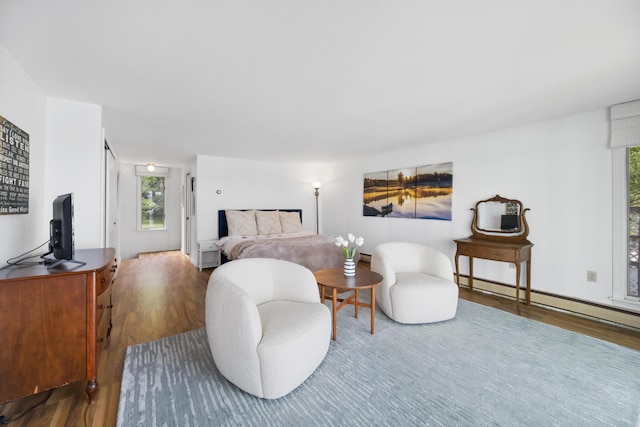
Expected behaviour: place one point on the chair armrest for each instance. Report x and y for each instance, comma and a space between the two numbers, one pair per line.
437, 264
383, 267
295, 283
234, 330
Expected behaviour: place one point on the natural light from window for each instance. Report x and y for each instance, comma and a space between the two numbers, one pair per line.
633, 204
152, 202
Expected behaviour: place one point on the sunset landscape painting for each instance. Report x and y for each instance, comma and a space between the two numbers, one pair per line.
422, 192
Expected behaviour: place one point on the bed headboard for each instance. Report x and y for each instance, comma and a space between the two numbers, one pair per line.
223, 229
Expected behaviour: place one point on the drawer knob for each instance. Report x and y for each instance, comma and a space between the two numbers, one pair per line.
100, 340
100, 306
103, 280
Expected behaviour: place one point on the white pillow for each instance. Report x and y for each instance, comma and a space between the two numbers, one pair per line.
241, 223
268, 222
290, 222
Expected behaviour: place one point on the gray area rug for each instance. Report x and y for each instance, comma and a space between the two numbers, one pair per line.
484, 367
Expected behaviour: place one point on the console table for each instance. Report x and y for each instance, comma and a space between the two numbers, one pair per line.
514, 252
54, 322
499, 231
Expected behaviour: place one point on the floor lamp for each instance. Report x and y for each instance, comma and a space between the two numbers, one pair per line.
316, 186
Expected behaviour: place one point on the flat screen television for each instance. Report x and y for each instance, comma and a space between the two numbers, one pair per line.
61, 239
509, 222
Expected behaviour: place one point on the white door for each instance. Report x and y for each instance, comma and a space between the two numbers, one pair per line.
112, 182
187, 214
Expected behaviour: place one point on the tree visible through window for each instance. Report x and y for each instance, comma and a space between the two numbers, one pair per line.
151, 202
634, 220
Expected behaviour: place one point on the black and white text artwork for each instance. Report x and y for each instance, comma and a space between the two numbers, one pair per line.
14, 169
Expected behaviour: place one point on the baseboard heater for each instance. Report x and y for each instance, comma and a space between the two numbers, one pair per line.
590, 309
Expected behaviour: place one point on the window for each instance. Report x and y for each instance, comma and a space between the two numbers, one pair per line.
633, 214
152, 192
625, 144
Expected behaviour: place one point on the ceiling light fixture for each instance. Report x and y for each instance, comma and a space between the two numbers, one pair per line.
151, 167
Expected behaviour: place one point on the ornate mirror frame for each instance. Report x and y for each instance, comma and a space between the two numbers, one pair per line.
513, 226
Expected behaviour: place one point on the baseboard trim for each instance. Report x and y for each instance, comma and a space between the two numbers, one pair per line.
614, 315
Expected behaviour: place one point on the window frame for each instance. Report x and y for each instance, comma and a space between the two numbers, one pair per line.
139, 203
620, 279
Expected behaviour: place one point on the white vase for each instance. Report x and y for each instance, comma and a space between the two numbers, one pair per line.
349, 267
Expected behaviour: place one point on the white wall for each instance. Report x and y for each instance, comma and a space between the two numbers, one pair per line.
560, 169
248, 184
66, 156
134, 241
24, 104
75, 164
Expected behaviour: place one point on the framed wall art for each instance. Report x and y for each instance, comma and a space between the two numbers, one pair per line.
14, 169
422, 192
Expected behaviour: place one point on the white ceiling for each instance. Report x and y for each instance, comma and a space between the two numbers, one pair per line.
307, 80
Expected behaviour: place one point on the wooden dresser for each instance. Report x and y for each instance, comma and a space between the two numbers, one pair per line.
53, 323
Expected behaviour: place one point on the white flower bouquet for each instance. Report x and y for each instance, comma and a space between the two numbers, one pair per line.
350, 245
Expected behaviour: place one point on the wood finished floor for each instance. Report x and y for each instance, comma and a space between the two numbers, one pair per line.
162, 294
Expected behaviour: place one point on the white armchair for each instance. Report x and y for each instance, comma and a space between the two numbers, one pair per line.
267, 328
417, 284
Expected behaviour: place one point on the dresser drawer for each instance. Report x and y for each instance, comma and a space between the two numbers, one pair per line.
104, 329
105, 277
103, 316
208, 246
488, 252
103, 304
500, 254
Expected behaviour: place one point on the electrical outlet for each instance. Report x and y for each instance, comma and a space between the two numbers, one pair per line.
592, 276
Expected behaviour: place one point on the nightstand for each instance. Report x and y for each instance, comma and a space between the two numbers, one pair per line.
208, 254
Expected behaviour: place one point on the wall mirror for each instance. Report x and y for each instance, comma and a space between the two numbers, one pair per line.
500, 218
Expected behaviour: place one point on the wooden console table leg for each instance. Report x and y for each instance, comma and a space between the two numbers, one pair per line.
517, 284
470, 273
457, 270
528, 266
92, 390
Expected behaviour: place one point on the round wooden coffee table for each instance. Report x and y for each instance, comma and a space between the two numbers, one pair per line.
334, 279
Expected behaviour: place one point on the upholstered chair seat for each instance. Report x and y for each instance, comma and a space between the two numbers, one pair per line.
417, 284
267, 328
